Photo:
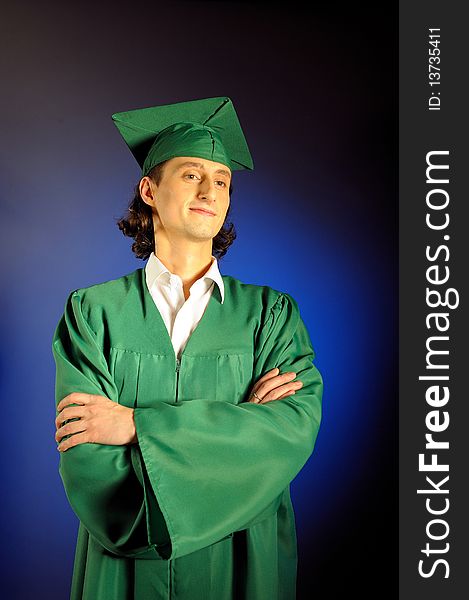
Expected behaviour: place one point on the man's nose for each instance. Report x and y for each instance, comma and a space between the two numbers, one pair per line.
207, 189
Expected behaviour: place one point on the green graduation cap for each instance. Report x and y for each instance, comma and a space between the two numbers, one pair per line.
208, 128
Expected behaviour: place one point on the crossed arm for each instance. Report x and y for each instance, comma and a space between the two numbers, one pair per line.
138, 496
99, 420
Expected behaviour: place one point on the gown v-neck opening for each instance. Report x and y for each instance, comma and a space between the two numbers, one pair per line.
150, 309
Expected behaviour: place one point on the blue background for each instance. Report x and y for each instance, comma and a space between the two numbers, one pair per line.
317, 218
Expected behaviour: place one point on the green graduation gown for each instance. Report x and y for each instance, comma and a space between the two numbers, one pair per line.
200, 508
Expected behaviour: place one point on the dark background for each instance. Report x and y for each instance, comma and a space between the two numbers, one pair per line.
316, 94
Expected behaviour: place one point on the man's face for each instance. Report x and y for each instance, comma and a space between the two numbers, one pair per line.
192, 198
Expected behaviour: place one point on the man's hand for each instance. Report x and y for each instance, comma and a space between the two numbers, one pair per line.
273, 386
101, 421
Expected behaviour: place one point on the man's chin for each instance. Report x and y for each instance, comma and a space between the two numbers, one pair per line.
201, 236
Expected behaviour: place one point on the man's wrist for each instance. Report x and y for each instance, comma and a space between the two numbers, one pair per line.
134, 439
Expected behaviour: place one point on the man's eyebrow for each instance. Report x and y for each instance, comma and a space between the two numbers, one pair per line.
190, 163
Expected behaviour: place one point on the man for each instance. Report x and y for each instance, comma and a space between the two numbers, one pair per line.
180, 419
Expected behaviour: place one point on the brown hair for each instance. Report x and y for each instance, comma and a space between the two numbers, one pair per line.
138, 223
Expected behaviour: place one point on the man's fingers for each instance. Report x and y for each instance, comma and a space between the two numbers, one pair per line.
281, 390
73, 427
269, 375
74, 440
285, 395
73, 398
69, 413
273, 390
271, 380
274, 382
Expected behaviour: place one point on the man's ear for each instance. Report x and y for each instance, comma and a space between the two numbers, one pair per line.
147, 190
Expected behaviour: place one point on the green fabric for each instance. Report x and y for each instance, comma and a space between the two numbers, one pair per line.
186, 139
200, 508
207, 128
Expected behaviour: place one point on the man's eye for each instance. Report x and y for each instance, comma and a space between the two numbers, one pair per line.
193, 176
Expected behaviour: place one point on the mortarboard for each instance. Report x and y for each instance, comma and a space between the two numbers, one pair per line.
207, 128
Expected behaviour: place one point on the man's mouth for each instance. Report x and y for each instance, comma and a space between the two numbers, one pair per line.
203, 211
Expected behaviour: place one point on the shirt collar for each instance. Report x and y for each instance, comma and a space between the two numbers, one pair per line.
155, 268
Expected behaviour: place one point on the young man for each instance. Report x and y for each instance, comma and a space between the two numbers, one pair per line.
187, 401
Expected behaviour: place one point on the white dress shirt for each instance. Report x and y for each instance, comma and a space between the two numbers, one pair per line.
179, 315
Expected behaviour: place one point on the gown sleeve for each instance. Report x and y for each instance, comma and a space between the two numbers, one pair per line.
214, 466
104, 484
